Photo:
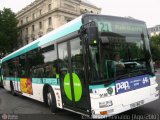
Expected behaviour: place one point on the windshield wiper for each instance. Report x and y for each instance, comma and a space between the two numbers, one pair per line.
141, 71
133, 73
123, 76
145, 71
138, 70
106, 82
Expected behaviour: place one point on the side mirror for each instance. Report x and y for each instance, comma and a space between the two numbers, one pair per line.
92, 35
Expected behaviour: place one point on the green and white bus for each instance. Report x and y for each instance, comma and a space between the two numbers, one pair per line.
74, 67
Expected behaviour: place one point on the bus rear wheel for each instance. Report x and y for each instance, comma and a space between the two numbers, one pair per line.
51, 100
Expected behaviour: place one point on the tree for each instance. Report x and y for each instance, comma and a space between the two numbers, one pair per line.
8, 31
155, 49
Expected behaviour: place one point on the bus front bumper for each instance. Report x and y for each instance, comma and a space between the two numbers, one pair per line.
124, 102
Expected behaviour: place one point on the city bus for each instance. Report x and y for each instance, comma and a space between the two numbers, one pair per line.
75, 67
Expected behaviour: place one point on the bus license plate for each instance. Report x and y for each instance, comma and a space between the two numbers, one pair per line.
136, 104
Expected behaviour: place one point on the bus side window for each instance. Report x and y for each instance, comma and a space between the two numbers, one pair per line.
77, 57
35, 61
50, 61
50, 71
22, 66
63, 59
5, 70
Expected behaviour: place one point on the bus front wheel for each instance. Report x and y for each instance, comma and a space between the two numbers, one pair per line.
51, 100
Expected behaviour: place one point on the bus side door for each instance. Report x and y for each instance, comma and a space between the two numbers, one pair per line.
72, 78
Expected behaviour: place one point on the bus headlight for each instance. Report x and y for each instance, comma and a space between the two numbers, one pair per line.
105, 104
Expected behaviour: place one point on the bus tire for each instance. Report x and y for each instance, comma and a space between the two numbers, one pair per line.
12, 89
45, 90
51, 100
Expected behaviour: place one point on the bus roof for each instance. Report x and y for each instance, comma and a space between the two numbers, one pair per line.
66, 29
119, 18
62, 31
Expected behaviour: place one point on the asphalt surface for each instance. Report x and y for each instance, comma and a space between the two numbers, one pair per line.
28, 109
22, 108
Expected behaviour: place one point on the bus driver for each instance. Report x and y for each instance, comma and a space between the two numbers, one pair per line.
117, 61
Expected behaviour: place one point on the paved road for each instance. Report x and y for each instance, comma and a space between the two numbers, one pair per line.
22, 108
28, 109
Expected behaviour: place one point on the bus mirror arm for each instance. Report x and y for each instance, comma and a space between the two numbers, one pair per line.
92, 35
89, 31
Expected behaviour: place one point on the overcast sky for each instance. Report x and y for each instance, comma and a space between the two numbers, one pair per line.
146, 10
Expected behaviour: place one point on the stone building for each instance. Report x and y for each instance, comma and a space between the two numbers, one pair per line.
153, 31
43, 16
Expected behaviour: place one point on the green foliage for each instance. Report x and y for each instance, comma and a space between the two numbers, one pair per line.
8, 30
155, 47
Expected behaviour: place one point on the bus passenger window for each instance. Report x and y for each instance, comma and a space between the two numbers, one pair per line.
50, 71
77, 57
63, 58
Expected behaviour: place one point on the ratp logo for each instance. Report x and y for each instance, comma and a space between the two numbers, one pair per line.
122, 86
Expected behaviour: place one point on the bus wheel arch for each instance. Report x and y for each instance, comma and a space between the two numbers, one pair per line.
49, 98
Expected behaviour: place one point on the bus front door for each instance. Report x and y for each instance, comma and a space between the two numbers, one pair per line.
72, 78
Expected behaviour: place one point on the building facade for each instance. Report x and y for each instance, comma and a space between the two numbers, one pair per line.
43, 16
153, 31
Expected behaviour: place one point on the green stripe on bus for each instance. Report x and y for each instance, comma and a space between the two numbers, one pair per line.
24, 50
12, 79
43, 40
61, 33
100, 86
51, 81
37, 80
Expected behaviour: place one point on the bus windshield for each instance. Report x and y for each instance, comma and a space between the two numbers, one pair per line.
123, 50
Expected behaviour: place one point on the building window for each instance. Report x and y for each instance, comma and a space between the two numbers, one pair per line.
68, 20
49, 21
27, 31
49, 7
26, 19
21, 34
40, 25
21, 22
27, 41
32, 28
33, 16
155, 29
33, 36
40, 12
